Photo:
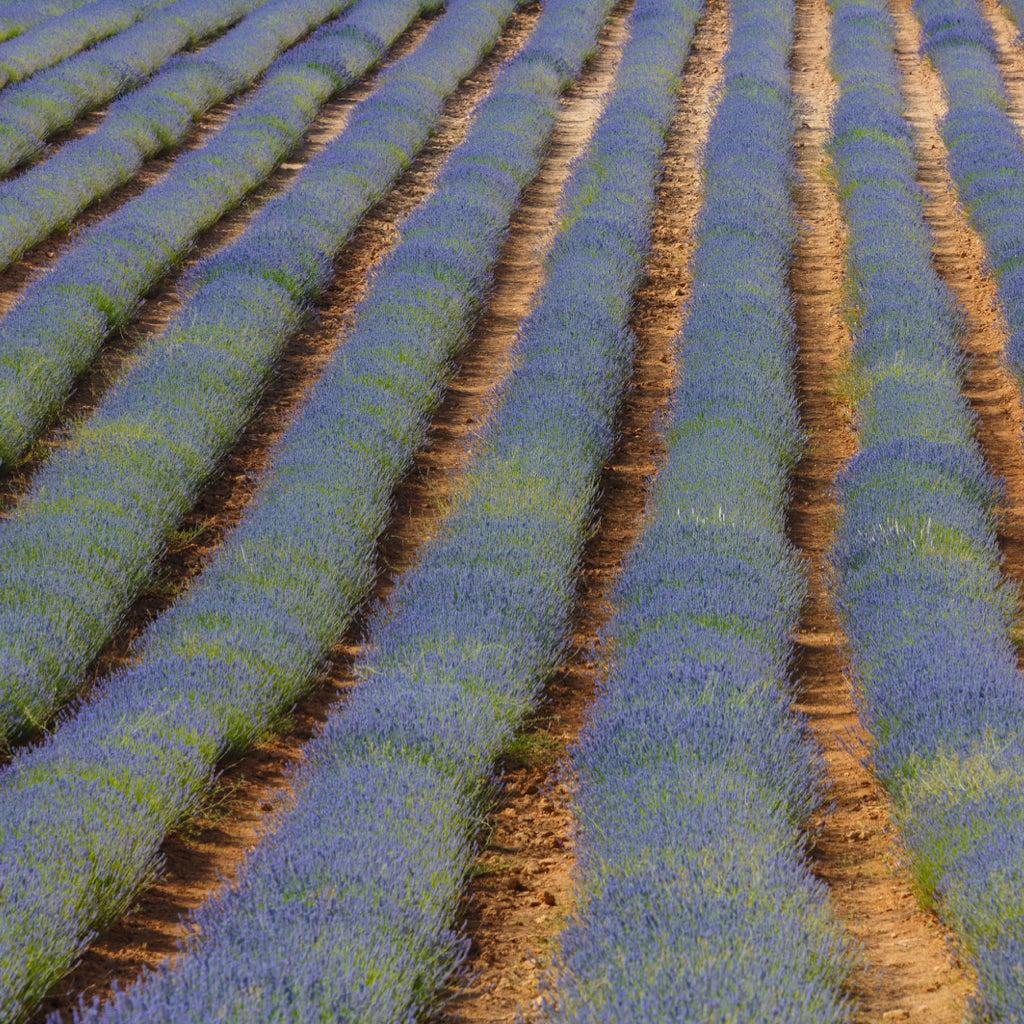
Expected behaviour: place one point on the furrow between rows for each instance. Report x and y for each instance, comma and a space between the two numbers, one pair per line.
521, 884
853, 850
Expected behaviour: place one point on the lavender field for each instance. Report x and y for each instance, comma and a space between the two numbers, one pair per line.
511, 511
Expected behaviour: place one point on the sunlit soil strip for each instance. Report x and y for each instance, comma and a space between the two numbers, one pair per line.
208, 851
692, 777
521, 884
963, 263
906, 967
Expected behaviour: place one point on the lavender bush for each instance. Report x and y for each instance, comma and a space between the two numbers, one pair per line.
986, 158
99, 281
84, 539
62, 37
473, 631
32, 111
693, 779
21, 15
250, 634
917, 564
149, 120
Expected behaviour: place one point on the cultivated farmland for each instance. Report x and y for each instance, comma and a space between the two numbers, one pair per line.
511, 511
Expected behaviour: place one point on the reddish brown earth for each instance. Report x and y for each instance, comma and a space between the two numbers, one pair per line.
907, 973
208, 851
521, 887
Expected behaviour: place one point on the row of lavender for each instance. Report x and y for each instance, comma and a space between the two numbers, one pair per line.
21, 15
59, 38
916, 558
83, 540
986, 158
50, 102
249, 637
148, 120
367, 867
694, 779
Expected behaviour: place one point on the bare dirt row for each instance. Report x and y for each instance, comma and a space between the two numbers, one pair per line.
907, 973
521, 890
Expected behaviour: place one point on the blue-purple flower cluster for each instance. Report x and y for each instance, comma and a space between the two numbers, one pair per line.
1015, 9
85, 537
62, 37
21, 15
918, 582
346, 912
251, 634
32, 111
693, 779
